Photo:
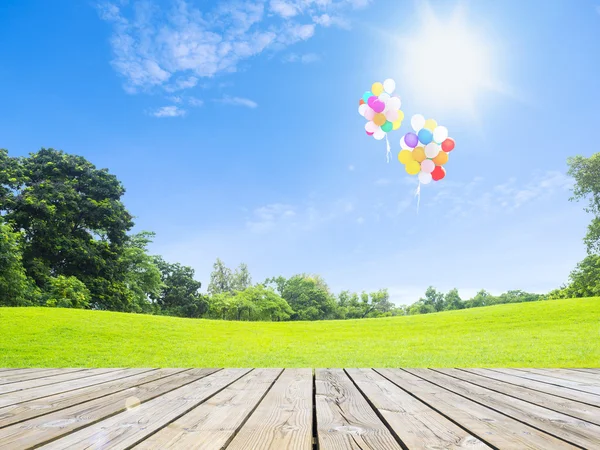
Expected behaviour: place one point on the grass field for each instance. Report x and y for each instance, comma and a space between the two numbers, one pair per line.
560, 333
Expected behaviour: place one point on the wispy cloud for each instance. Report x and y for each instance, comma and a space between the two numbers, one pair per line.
193, 101
168, 111
173, 47
237, 101
307, 58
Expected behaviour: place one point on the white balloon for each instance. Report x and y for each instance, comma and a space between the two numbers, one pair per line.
370, 127
417, 122
362, 109
379, 134
394, 103
403, 145
432, 149
384, 97
440, 134
424, 178
389, 85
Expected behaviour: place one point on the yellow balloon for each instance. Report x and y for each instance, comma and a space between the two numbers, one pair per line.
413, 167
405, 156
430, 124
396, 124
419, 154
400, 115
379, 119
440, 159
377, 89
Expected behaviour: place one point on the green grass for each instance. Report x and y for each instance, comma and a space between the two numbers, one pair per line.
560, 333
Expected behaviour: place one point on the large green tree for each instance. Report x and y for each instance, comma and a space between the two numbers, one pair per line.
221, 279
72, 219
586, 172
309, 297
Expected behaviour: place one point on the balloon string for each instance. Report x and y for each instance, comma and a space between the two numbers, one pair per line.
389, 152
418, 195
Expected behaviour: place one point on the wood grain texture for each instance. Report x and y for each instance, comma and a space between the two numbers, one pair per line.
539, 386
21, 377
416, 424
345, 420
548, 378
213, 424
559, 404
577, 377
283, 420
490, 426
134, 425
52, 426
570, 429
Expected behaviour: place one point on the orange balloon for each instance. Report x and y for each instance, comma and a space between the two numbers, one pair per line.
419, 154
441, 159
361, 102
379, 119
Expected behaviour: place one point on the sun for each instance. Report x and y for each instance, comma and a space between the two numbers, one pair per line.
446, 62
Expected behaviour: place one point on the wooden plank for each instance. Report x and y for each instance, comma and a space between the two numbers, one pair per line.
566, 406
283, 420
344, 418
53, 380
130, 427
33, 402
416, 424
577, 377
52, 426
31, 374
546, 388
570, 429
213, 424
488, 425
574, 385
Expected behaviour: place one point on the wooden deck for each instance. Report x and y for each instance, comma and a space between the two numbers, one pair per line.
299, 409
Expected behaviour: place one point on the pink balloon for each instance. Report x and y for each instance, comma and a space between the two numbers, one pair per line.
370, 127
427, 166
372, 98
369, 113
378, 106
391, 115
370, 134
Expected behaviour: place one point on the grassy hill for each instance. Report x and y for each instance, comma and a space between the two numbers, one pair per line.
560, 333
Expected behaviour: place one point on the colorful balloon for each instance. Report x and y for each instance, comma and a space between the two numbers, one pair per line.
425, 136
430, 124
379, 119
425, 178
448, 145
411, 139
419, 154
379, 134
385, 97
370, 127
438, 173
394, 103
427, 166
387, 126
361, 102
389, 86
392, 115
371, 99
440, 134
412, 167
432, 149
405, 156
440, 159
362, 109
366, 96
378, 106
369, 113
369, 134
403, 144
377, 88
396, 124
417, 122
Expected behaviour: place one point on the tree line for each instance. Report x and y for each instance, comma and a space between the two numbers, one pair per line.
66, 241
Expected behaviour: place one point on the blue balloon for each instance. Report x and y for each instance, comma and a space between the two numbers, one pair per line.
425, 136
367, 95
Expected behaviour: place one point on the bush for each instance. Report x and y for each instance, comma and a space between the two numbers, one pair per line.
68, 292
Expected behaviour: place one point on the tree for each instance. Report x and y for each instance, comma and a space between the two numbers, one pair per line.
253, 303
482, 298
277, 282
586, 172
72, 220
142, 276
309, 297
15, 288
420, 307
584, 281
241, 278
452, 300
68, 292
221, 279
179, 294
434, 299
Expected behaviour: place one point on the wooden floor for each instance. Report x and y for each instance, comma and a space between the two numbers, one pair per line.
299, 408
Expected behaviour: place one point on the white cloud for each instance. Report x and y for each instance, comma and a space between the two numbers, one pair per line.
171, 47
238, 101
307, 58
193, 101
168, 111
175, 99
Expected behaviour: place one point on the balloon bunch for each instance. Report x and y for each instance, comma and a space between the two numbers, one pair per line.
425, 151
382, 110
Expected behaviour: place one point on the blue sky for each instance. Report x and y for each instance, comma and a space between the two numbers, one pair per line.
234, 128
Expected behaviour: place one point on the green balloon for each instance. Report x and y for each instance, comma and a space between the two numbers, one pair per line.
387, 126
